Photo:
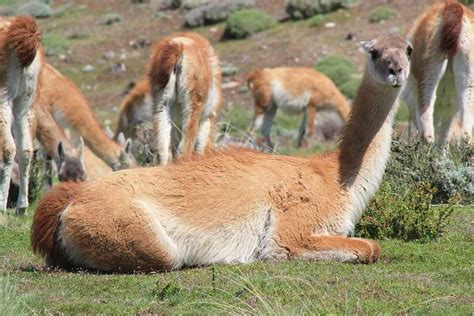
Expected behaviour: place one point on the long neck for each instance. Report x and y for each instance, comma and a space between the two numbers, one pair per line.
341, 106
70, 104
365, 145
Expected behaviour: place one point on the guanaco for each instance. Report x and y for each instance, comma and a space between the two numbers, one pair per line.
70, 109
234, 206
21, 61
185, 81
294, 91
58, 146
443, 41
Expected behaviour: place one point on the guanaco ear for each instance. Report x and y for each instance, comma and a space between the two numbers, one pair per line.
67, 133
121, 139
61, 153
81, 148
109, 132
366, 45
128, 146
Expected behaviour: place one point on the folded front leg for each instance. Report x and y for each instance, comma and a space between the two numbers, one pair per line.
341, 249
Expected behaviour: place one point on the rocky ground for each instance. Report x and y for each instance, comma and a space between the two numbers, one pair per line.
104, 45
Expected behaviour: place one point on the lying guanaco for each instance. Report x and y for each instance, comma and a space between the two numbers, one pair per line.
443, 39
69, 107
185, 81
234, 206
294, 91
21, 61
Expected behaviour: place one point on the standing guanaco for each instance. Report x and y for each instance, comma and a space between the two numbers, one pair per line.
234, 206
443, 39
185, 81
294, 91
21, 61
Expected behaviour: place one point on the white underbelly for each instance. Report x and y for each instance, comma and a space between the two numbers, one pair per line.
287, 102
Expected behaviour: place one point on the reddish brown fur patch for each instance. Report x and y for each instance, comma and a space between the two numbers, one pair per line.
163, 62
24, 38
46, 222
451, 28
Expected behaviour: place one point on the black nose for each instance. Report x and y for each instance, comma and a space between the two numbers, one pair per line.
394, 72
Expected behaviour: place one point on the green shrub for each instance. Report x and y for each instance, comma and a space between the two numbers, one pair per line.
381, 13
448, 171
404, 212
342, 72
349, 88
317, 20
339, 69
418, 175
244, 23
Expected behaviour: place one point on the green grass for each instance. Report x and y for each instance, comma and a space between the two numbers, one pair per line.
412, 277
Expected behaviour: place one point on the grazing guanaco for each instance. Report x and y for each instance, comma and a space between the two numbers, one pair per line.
234, 206
70, 109
185, 80
21, 61
443, 41
294, 91
68, 159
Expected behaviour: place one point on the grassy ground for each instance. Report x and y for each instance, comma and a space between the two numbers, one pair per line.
415, 278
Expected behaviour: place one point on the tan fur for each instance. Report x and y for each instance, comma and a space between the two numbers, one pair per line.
185, 80
443, 40
306, 88
94, 165
133, 111
67, 104
239, 205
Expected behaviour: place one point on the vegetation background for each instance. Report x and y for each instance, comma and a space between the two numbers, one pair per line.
423, 214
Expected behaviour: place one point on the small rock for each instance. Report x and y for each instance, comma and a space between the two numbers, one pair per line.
35, 9
77, 35
139, 43
110, 18
230, 85
117, 69
109, 55
88, 68
229, 70
330, 25
350, 36
49, 52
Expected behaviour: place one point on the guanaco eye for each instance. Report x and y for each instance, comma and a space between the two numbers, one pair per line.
374, 54
409, 50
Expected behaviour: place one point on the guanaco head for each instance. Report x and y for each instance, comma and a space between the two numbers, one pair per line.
71, 163
126, 157
389, 62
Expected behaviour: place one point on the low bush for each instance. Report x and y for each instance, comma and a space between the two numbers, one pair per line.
417, 176
381, 13
349, 88
342, 71
244, 23
404, 212
317, 20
